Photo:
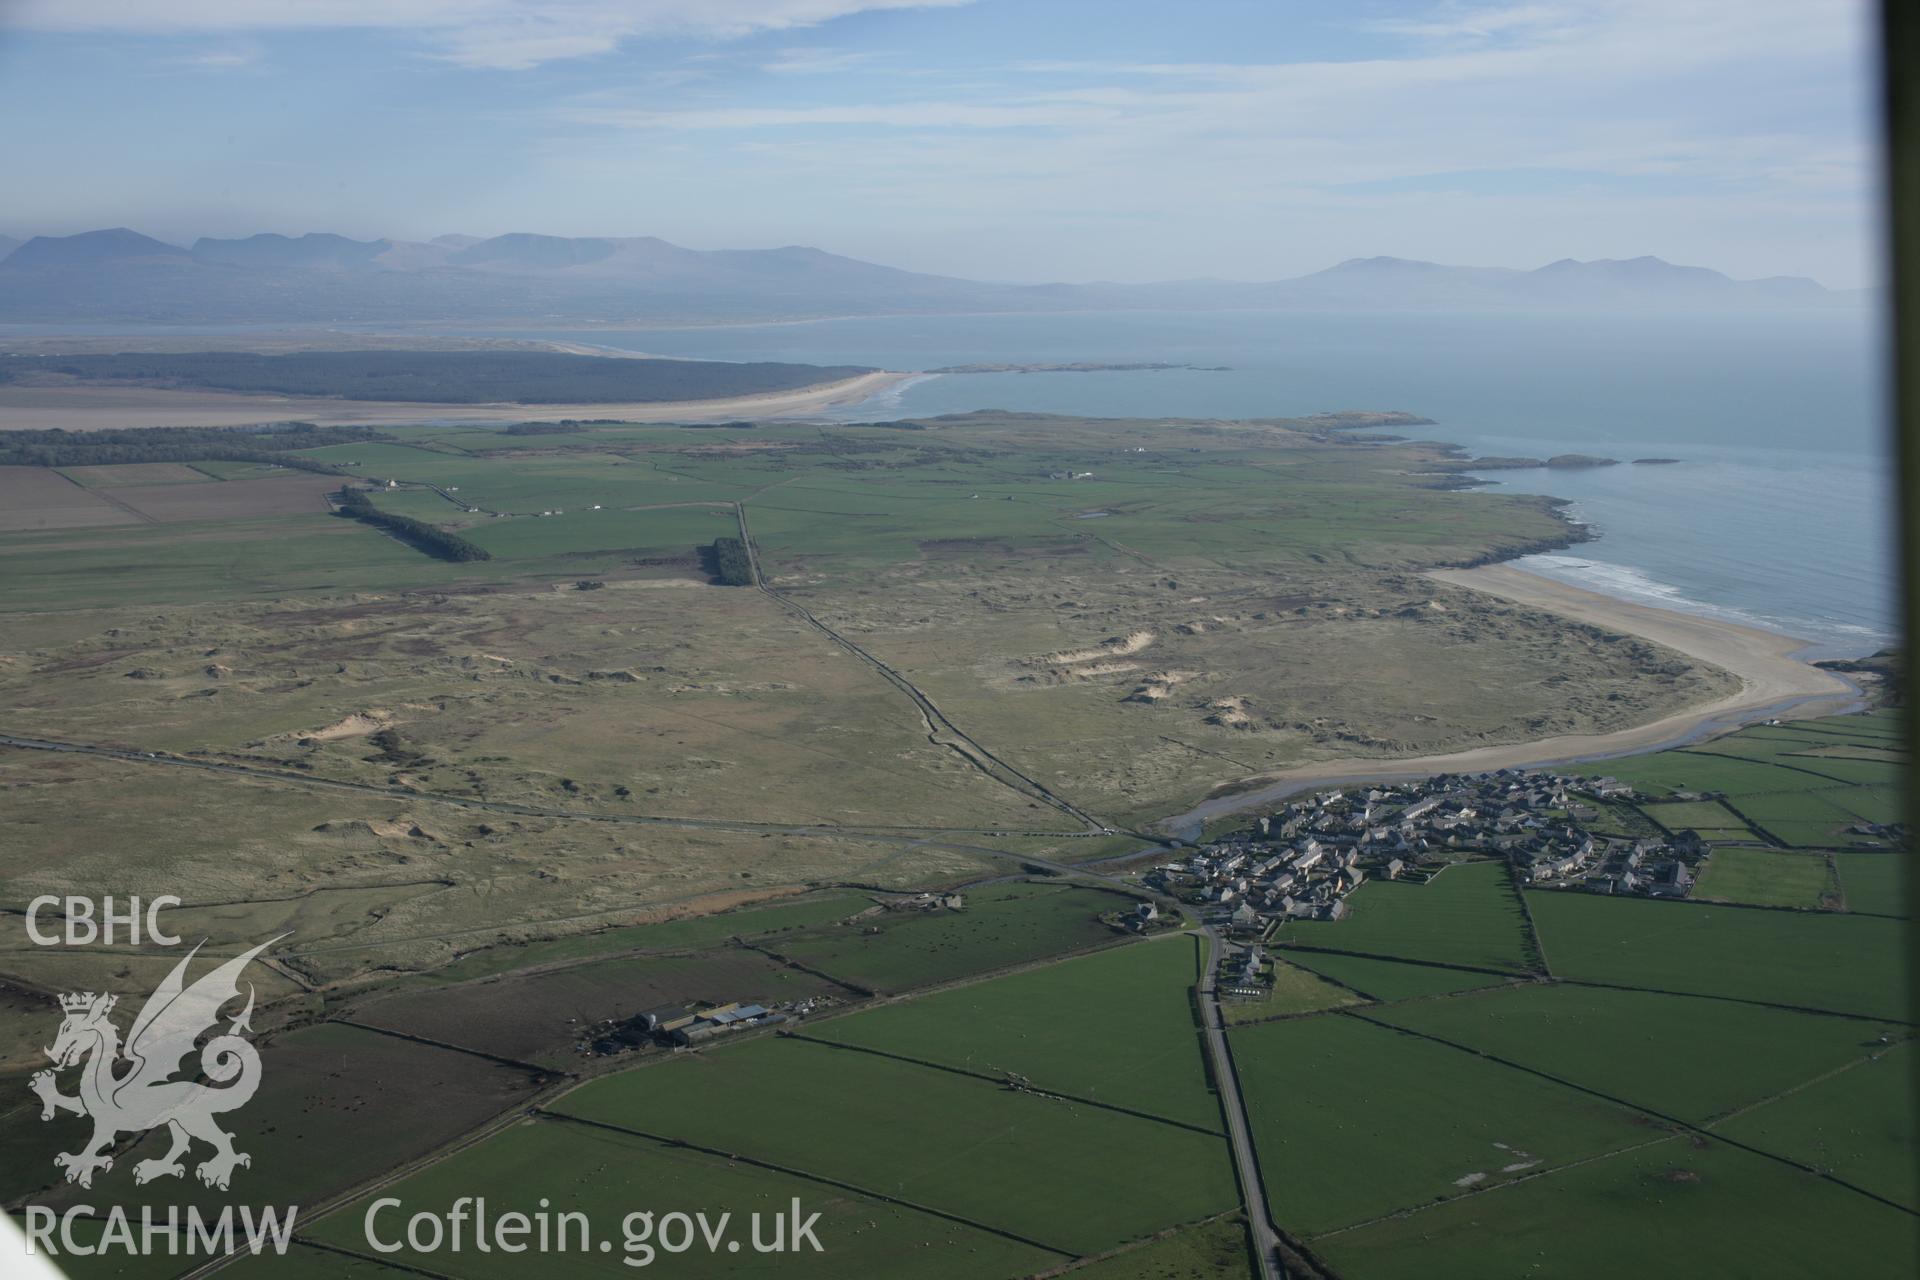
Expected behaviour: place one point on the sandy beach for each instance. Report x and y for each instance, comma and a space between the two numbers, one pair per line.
105, 408
1772, 683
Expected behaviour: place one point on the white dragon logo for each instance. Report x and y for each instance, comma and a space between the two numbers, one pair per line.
145, 1096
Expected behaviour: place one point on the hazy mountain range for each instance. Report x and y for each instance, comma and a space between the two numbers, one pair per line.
122, 276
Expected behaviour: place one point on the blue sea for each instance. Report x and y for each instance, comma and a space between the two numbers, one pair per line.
1779, 513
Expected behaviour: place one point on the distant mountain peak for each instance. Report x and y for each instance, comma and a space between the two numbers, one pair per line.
270, 250
1646, 266
1385, 262
1384, 265
119, 274
89, 248
530, 250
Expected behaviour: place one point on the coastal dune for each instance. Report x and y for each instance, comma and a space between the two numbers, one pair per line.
1769, 672
109, 408
1773, 682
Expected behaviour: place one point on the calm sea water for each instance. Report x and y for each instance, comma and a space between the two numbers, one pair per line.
1780, 512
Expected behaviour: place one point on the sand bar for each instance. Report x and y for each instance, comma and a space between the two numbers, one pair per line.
1772, 683
106, 408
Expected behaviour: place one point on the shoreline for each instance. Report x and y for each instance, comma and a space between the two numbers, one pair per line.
1774, 682
116, 408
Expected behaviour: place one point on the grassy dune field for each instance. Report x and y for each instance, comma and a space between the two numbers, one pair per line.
1002, 925
499, 801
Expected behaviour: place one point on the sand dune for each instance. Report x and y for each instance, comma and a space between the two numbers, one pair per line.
1762, 659
106, 408
1772, 683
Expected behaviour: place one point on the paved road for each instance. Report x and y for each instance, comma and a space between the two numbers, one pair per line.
1266, 1239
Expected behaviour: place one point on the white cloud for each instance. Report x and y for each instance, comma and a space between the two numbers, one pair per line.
1043, 113
233, 57
1735, 134
495, 34
1629, 98
1479, 22
816, 61
1509, 132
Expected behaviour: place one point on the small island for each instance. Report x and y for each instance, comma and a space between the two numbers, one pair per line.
1348, 419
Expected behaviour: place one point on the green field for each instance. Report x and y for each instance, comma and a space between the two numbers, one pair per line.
442, 773
237, 559
221, 470
1116, 1027
1767, 878
1677, 1208
1665, 772
1803, 783
1810, 819
1216, 1251
1390, 979
1838, 963
1467, 915
1068, 1176
1858, 1125
1002, 925
1353, 1120
1618, 1042
541, 1015
1875, 882
691, 934
607, 534
309, 1262
1879, 802
608, 1175
109, 476
871, 496
1295, 989
1710, 818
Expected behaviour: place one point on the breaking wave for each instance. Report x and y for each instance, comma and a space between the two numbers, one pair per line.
1628, 583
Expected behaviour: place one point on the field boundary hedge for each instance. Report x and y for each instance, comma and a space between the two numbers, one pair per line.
418, 534
790, 1171
1035, 1090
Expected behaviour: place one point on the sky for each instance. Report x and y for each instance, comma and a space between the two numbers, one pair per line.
1022, 140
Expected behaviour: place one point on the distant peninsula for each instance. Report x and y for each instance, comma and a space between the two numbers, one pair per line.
1564, 461
1079, 366
426, 377
1349, 419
